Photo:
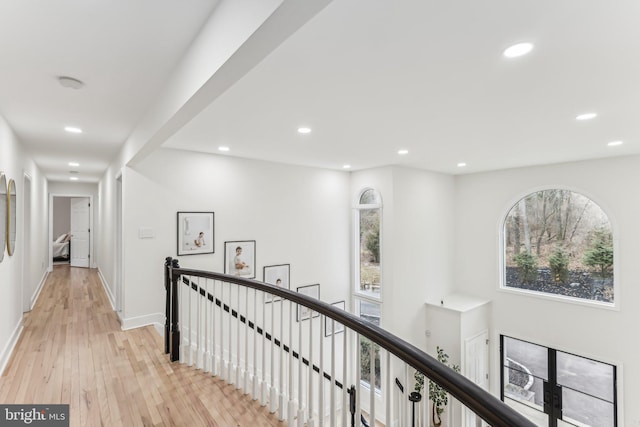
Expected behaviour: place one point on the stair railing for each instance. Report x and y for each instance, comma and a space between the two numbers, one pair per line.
251, 334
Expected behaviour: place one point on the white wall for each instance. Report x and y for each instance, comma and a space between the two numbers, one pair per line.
603, 334
298, 216
30, 257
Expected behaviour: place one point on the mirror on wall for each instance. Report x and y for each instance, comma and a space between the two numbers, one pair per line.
11, 217
4, 225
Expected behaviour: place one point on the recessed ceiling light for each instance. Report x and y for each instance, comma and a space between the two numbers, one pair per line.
74, 164
586, 116
462, 164
517, 50
70, 82
223, 148
346, 166
615, 143
304, 130
403, 152
72, 129
73, 178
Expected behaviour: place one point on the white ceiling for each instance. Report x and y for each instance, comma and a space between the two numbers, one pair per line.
369, 77
122, 50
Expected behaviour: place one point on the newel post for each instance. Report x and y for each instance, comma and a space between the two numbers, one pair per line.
167, 299
175, 326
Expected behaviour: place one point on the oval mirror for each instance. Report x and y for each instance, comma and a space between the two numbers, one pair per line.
11, 217
3, 214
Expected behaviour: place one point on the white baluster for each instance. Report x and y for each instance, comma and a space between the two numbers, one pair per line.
263, 388
238, 333
254, 378
388, 417
358, 391
345, 384
281, 396
310, 404
247, 382
291, 409
321, 376
273, 393
301, 417
372, 383
332, 383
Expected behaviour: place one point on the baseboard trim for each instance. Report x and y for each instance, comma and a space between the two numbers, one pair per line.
155, 319
11, 345
36, 294
105, 285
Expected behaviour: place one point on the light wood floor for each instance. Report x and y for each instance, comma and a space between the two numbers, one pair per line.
73, 351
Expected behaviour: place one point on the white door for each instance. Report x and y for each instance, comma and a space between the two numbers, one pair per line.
477, 369
80, 233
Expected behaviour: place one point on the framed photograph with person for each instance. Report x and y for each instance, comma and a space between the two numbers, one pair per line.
337, 327
240, 258
313, 291
195, 233
277, 275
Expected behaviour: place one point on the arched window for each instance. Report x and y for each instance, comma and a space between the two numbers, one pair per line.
368, 243
559, 242
368, 281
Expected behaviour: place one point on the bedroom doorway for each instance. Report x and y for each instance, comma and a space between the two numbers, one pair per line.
70, 225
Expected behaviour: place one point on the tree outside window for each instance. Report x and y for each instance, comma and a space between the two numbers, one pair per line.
559, 242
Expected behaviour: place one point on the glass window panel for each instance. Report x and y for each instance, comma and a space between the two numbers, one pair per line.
524, 388
559, 242
585, 375
370, 197
370, 312
527, 357
583, 410
370, 251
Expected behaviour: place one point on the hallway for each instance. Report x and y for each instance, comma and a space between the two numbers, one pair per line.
73, 351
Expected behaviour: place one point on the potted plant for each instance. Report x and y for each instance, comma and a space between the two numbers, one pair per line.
437, 395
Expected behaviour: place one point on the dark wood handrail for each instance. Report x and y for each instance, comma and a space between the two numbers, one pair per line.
484, 404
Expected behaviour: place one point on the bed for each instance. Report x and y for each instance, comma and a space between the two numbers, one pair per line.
62, 247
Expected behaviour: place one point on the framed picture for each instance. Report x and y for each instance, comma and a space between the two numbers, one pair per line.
313, 291
195, 233
240, 258
337, 327
278, 275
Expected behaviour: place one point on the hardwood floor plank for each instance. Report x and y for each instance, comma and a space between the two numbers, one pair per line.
73, 351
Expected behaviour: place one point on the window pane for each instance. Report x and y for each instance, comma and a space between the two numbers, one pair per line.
370, 312
370, 251
559, 242
583, 410
525, 370
370, 197
585, 375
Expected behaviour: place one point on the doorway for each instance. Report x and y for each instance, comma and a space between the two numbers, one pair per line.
27, 287
70, 225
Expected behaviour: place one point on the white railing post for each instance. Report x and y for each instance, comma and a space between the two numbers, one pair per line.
321, 373
247, 382
273, 394
281, 396
301, 417
332, 383
310, 404
254, 377
291, 409
345, 384
263, 384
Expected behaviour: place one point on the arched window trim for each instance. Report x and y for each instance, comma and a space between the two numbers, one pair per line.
615, 306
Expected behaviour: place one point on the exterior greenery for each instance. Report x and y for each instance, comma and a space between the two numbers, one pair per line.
559, 242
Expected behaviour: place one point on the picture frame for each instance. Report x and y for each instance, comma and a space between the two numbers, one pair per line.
338, 327
277, 275
4, 218
196, 233
240, 258
303, 313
